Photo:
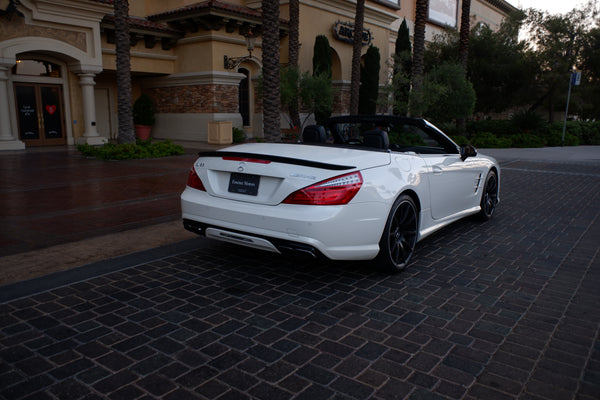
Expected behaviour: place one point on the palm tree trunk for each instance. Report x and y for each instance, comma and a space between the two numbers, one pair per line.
465, 31
271, 99
421, 9
294, 49
124, 100
356, 54
463, 49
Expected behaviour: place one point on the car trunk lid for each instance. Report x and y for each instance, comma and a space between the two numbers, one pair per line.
266, 173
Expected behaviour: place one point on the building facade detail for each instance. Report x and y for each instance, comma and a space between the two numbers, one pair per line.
58, 62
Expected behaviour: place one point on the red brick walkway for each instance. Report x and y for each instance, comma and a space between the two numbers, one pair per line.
50, 197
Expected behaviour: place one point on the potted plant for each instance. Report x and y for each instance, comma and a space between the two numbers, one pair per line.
143, 116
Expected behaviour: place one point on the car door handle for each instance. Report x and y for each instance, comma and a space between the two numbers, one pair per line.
437, 170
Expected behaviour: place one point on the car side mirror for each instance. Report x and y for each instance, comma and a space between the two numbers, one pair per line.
467, 151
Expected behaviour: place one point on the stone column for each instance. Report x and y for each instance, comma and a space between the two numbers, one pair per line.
8, 139
90, 134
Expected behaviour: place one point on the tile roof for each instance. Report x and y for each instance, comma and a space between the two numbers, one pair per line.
210, 4
144, 24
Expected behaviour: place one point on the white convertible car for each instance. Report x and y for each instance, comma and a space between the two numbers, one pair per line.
362, 188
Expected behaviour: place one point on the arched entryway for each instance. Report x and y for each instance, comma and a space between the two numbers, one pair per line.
38, 85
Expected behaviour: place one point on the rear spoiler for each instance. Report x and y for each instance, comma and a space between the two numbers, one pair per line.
278, 159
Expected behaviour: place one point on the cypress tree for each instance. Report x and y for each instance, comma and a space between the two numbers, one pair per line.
322, 65
322, 56
369, 82
402, 69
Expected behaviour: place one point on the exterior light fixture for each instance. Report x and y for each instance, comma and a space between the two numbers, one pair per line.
234, 62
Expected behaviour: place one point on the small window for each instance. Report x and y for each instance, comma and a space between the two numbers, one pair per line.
391, 3
36, 68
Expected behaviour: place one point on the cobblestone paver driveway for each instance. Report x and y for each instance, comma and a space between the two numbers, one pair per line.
507, 309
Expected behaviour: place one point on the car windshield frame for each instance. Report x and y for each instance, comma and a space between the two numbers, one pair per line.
404, 134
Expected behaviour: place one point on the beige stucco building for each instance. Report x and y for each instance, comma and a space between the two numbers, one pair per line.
57, 61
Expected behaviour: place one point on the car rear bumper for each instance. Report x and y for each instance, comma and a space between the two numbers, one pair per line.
349, 232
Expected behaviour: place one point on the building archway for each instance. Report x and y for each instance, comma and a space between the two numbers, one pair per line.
336, 65
41, 89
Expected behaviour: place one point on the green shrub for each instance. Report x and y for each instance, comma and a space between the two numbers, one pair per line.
449, 128
127, 151
489, 140
527, 121
591, 134
143, 111
529, 130
527, 140
238, 135
587, 133
460, 140
553, 136
499, 128
406, 139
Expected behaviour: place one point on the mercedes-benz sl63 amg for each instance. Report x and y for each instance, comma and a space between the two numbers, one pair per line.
361, 188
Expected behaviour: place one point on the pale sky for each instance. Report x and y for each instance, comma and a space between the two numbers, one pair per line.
552, 6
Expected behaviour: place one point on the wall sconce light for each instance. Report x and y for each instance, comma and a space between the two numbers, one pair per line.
234, 62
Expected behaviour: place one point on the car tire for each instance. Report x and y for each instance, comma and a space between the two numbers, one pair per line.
489, 196
399, 236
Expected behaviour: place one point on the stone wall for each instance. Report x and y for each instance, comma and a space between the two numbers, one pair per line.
204, 99
17, 28
341, 102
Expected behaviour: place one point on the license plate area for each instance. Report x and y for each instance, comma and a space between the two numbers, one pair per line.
244, 184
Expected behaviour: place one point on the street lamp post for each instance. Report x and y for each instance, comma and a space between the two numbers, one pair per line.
574, 80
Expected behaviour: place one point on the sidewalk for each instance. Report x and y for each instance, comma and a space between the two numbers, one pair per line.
61, 210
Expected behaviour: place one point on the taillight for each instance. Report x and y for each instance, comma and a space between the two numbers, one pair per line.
244, 159
335, 191
194, 180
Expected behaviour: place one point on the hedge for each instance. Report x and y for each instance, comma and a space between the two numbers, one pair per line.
128, 151
503, 133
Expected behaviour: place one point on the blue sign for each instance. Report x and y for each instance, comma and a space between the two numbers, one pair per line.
576, 78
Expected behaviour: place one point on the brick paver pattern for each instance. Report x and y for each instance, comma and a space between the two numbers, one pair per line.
506, 309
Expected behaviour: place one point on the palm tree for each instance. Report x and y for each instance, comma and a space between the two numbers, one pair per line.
124, 100
270, 49
465, 30
356, 53
421, 9
294, 49
463, 47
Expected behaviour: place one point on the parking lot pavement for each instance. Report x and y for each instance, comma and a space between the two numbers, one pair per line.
506, 309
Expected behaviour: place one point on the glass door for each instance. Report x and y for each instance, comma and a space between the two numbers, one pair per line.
40, 114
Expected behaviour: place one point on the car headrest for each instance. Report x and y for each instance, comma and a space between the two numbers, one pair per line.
314, 134
376, 138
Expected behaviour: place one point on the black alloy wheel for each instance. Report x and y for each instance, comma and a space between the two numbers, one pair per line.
489, 197
399, 237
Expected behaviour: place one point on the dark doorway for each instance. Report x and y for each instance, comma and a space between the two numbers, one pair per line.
244, 96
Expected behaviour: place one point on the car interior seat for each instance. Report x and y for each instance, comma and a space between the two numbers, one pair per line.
314, 134
376, 138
